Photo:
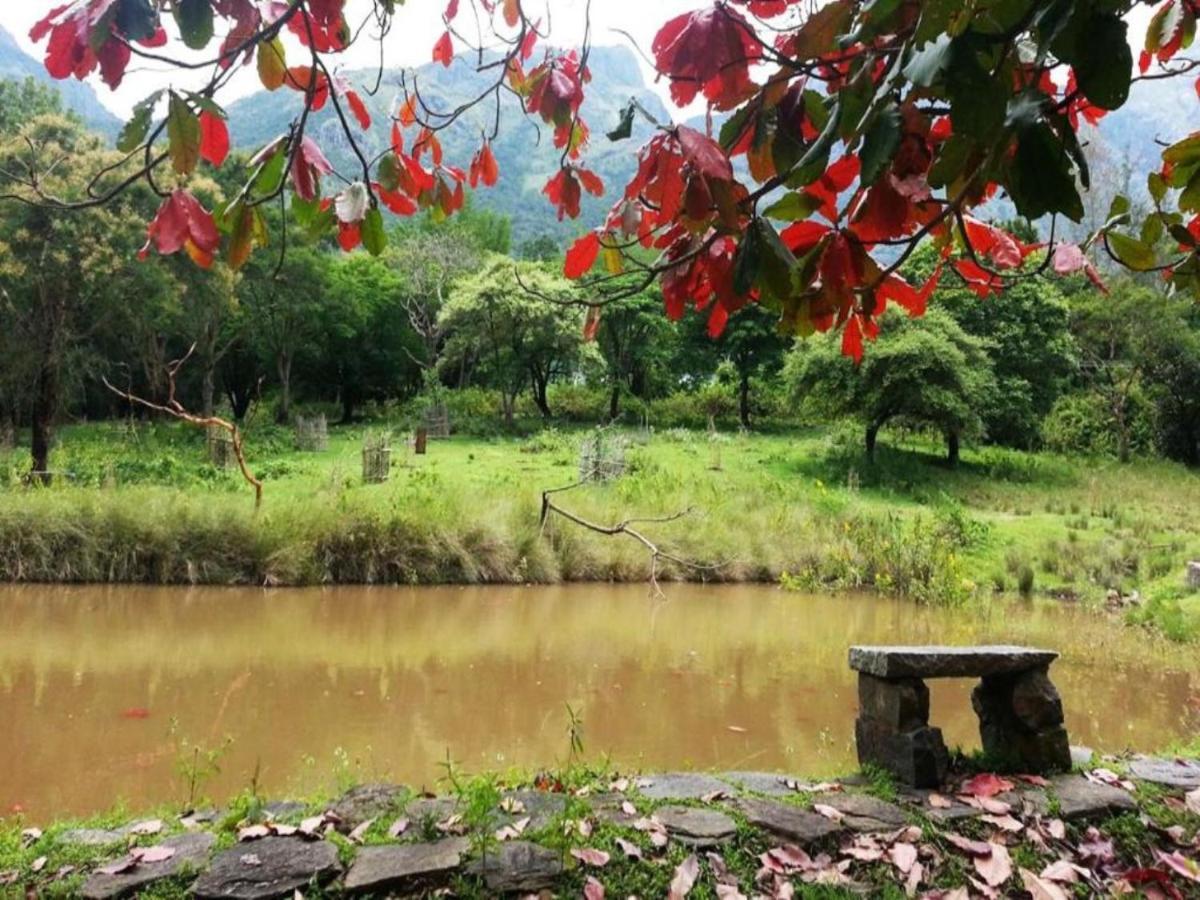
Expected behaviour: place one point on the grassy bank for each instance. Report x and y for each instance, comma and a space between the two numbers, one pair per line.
144, 506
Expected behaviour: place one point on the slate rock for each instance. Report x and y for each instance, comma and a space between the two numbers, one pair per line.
540, 807
917, 757
1078, 798
770, 784
787, 820
365, 802
283, 865
406, 868
955, 812
862, 812
519, 867
695, 826
430, 810
902, 704
680, 786
191, 854
1176, 773
947, 662
1081, 756
91, 837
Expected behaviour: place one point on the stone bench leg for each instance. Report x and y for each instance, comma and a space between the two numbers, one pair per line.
1021, 721
893, 730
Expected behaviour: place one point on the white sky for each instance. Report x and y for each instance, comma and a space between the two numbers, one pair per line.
416, 27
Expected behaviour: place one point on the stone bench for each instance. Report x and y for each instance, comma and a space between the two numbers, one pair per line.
1020, 711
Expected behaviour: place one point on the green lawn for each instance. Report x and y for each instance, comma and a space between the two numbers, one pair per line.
805, 505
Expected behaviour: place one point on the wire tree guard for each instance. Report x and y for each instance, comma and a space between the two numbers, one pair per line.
312, 435
602, 457
376, 457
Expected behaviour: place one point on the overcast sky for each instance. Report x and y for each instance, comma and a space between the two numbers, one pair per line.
416, 27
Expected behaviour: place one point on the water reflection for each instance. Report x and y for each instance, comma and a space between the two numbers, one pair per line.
732, 677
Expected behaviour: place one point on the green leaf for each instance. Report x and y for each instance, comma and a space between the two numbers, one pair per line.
183, 135
624, 129
746, 262
135, 130
792, 207
1041, 179
977, 100
926, 64
777, 262
1131, 252
1156, 186
1105, 62
374, 238
807, 174
137, 20
1183, 236
735, 126
880, 143
271, 175
195, 20
819, 34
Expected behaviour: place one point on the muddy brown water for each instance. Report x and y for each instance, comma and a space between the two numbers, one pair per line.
105, 690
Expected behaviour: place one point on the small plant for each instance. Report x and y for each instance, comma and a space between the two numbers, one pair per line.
478, 798
196, 764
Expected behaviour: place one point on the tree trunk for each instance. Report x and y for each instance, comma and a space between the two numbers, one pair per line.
283, 364
872, 436
614, 403
347, 408
508, 403
45, 405
744, 402
952, 450
208, 389
1123, 442
539, 396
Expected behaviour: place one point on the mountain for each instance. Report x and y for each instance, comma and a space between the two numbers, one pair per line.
524, 149
77, 97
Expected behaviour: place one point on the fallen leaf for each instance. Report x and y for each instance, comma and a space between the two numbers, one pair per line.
621, 785
251, 859
995, 868
986, 784
937, 801
356, 836
593, 889
398, 828
713, 796
283, 830
9, 877
1177, 862
828, 812
729, 892
659, 839
628, 808
1096, 849
968, 846
515, 830
312, 826
63, 872
30, 836
591, 857
584, 827
150, 826
1041, 888
1192, 801
253, 832
903, 856
1036, 780
1004, 823
38, 864
1057, 829
629, 848
915, 875
790, 857
155, 854
686, 874
1065, 872
451, 825
512, 805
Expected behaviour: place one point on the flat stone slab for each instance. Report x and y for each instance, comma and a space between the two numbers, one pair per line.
191, 854
91, 837
1078, 798
406, 868
519, 867
540, 807
947, 662
862, 812
787, 820
681, 786
365, 802
268, 868
695, 826
955, 812
430, 809
1177, 773
769, 784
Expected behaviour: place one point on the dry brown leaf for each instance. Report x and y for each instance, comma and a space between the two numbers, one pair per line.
284, 830
968, 846
116, 867
1057, 829
996, 868
38, 864
937, 801
1041, 888
1004, 823
729, 892
686, 874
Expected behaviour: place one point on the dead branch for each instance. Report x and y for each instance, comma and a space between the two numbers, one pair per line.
175, 409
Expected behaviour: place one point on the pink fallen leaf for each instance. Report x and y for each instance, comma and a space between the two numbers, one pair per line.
1057, 829
729, 892
628, 808
937, 801
829, 812
593, 889
864, 849
659, 839
311, 827
621, 785
1191, 800
63, 872
1035, 780
38, 864
515, 830
968, 846
1096, 849
253, 832
1065, 872
915, 875
398, 828
1004, 823
283, 830
1041, 888
118, 867
790, 856
986, 784
150, 826
903, 856
629, 848
995, 868
155, 854
356, 836
1177, 862
591, 857
686, 874
451, 825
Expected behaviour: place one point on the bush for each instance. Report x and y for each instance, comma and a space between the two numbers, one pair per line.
1080, 423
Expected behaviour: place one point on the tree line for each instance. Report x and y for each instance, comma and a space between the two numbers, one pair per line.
451, 305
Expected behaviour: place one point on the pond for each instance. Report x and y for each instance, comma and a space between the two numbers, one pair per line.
105, 691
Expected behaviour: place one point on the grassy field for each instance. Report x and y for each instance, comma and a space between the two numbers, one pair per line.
143, 505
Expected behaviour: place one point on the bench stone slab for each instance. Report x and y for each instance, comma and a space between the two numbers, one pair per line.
947, 662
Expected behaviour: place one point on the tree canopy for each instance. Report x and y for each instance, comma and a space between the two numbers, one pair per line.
859, 131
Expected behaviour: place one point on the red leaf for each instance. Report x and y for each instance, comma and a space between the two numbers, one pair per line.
182, 223
986, 784
582, 255
349, 235
982, 283
483, 167
443, 50
852, 340
709, 50
214, 138
136, 712
359, 109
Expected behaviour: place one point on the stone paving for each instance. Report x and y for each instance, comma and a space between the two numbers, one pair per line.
428, 845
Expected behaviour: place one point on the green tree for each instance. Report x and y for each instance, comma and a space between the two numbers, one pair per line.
22, 101
513, 334
634, 338
924, 372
